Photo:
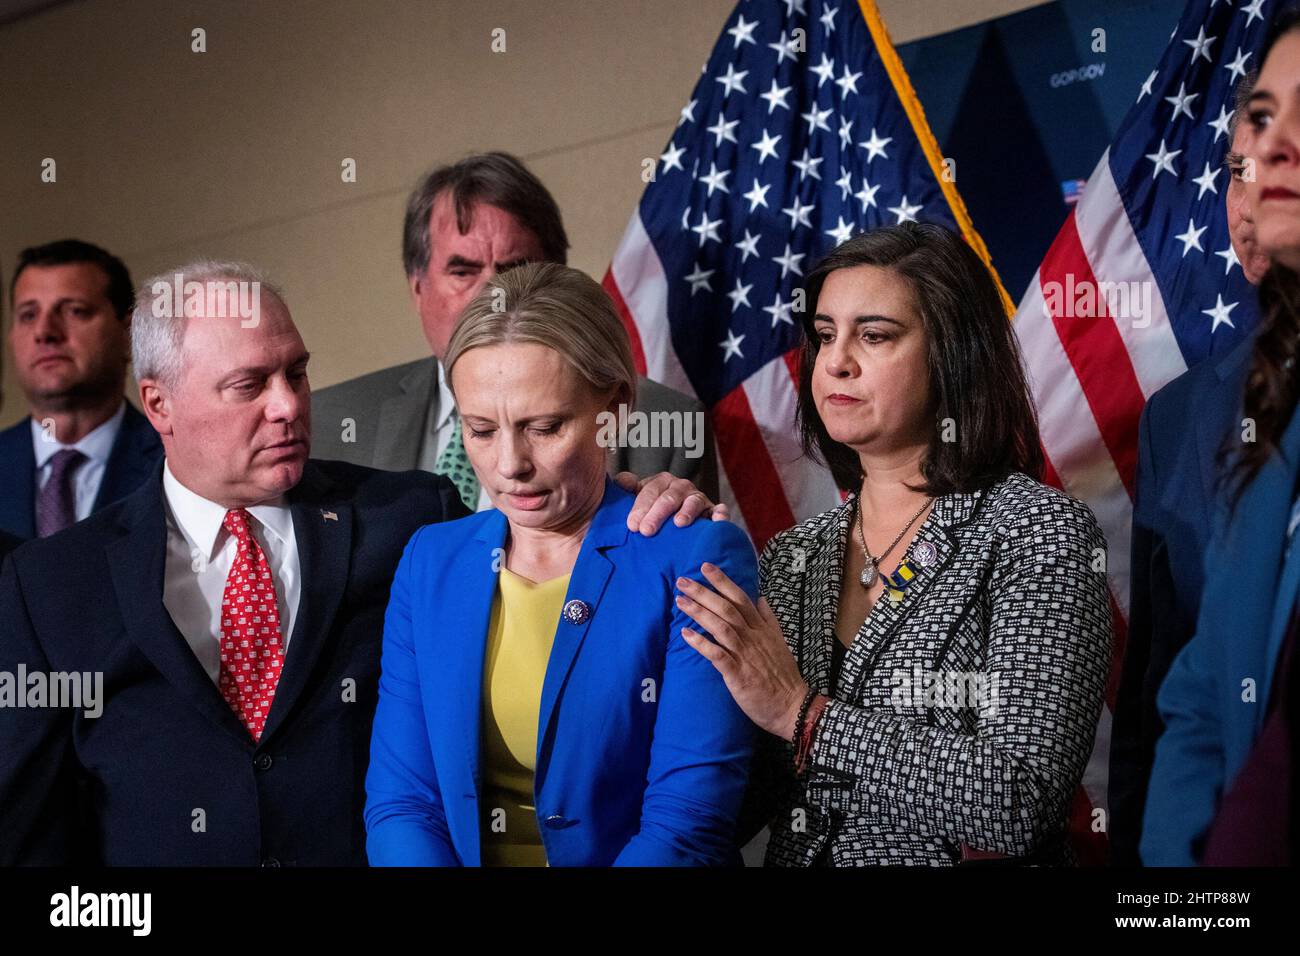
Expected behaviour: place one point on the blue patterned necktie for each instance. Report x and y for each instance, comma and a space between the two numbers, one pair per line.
454, 463
56, 504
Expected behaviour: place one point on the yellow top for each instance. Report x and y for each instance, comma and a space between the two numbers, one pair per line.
520, 633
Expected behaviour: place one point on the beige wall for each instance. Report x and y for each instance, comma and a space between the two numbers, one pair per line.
164, 154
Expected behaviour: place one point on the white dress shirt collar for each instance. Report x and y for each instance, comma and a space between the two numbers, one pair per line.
202, 520
96, 445
445, 408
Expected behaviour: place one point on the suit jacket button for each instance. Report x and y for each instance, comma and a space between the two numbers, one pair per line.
270, 861
263, 762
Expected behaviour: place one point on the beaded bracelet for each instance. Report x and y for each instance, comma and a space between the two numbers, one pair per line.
797, 739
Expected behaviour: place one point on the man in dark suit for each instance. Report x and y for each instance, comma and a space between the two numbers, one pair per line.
7, 543
223, 624
82, 446
464, 223
1181, 431
238, 602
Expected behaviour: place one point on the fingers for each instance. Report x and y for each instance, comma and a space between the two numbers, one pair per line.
716, 654
650, 491
696, 504
721, 513
718, 617
730, 590
627, 481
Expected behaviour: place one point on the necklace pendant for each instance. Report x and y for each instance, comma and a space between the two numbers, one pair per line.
869, 574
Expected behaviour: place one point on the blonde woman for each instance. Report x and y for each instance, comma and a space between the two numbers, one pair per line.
538, 703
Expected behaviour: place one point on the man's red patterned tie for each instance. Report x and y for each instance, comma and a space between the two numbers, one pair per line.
251, 650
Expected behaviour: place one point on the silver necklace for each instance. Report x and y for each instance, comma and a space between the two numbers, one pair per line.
871, 565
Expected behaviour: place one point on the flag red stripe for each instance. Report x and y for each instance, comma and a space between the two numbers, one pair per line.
629, 323
744, 455
1097, 352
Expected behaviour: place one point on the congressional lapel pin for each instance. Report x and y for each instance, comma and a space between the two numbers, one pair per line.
328, 515
576, 611
925, 553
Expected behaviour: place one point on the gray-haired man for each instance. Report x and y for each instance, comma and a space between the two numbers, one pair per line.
464, 223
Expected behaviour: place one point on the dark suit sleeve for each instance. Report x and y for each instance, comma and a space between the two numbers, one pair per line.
707, 479
1131, 743
449, 498
405, 821
38, 810
702, 471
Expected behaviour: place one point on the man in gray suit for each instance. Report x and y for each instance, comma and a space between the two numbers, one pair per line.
464, 223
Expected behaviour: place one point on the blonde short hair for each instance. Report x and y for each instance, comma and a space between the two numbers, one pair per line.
548, 304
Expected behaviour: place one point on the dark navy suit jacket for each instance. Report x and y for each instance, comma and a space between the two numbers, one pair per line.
1182, 428
136, 452
167, 774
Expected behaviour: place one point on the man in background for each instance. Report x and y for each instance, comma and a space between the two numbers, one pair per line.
464, 223
82, 446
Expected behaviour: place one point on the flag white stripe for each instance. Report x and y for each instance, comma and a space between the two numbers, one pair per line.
809, 488
1072, 438
640, 278
1115, 256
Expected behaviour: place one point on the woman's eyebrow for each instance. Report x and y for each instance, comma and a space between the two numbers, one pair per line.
860, 319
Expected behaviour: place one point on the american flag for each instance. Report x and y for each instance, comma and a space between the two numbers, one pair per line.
802, 131
1151, 221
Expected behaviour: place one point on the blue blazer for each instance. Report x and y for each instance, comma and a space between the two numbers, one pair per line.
1182, 427
136, 453
1211, 721
642, 755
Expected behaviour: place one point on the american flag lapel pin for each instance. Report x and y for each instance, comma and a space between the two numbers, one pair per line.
328, 515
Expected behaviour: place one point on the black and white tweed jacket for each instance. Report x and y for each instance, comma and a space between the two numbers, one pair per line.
964, 713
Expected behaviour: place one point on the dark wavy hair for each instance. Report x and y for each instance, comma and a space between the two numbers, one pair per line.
493, 179
977, 378
120, 292
1273, 382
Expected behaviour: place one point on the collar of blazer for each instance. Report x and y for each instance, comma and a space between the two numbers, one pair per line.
587, 583
137, 560
819, 595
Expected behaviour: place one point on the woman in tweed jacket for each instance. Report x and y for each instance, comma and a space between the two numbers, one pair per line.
928, 659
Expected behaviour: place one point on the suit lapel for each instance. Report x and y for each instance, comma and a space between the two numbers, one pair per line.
455, 678
18, 466
323, 529
819, 599
1229, 378
587, 583
401, 421
131, 461
136, 564
938, 530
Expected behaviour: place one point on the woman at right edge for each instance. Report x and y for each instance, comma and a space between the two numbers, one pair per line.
929, 658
